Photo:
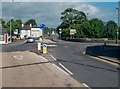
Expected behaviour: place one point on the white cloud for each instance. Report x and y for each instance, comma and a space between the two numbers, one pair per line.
46, 12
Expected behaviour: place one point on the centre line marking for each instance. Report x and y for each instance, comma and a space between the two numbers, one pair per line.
65, 69
60, 69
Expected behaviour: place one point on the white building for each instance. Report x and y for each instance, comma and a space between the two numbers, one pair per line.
3, 36
36, 32
29, 31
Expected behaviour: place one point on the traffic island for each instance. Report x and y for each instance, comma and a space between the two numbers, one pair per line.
108, 53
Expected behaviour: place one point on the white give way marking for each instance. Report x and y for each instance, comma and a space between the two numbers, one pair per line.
19, 57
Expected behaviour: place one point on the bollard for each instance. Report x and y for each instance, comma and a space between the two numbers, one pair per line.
39, 46
44, 48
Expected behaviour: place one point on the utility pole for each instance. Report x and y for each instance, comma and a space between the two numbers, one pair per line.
87, 15
11, 27
117, 32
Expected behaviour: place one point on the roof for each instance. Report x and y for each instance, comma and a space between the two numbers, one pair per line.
26, 27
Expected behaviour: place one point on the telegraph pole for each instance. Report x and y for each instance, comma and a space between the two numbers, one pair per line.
11, 27
117, 32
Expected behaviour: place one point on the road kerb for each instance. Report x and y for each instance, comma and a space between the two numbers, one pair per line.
103, 60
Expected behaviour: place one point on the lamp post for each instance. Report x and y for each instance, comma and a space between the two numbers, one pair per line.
117, 32
87, 15
11, 27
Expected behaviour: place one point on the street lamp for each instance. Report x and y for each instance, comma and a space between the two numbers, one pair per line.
87, 15
11, 28
117, 32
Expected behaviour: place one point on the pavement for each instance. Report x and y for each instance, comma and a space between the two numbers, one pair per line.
27, 69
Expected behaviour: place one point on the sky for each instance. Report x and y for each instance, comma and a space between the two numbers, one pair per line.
49, 13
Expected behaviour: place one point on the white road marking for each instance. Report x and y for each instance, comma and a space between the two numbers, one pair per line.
84, 52
19, 57
51, 45
86, 85
65, 69
44, 58
53, 57
60, 69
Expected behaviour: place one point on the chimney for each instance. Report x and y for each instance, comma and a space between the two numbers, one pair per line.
22, 25
30, 25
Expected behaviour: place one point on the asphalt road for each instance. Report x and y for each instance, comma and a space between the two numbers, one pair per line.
71, 55
19, 47
85, 69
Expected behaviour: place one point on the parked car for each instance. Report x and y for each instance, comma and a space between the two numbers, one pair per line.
30, 40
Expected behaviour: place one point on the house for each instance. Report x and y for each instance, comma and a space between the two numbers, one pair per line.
29, 31
36, 32
3, 35
25, 31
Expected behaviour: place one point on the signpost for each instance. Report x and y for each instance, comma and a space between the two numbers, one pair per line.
72, 32
42, 26
44, 48
60, 31
16, 31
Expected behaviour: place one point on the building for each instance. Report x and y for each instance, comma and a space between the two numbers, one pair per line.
25, 31
36, 32
3, 35
29, 31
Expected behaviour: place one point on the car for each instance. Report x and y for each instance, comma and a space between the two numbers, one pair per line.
30, 40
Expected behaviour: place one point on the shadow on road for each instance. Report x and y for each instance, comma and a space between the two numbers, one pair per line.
88, 65
104, 50
13, 66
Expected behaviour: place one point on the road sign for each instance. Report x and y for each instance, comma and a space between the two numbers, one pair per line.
16, 31
42, 26
60, 31
72, 31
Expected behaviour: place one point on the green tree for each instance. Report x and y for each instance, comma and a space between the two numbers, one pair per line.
73, 16
86, 29
70, 17
111, 29
2, 22
31, 21
15, 24
97, 27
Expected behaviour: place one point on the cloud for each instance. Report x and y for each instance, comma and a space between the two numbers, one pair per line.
46, 12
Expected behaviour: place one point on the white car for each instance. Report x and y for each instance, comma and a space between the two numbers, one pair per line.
30, 40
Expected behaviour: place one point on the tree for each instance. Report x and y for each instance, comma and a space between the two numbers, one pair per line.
15, 24
97, 27
73, 16
86, 29
2, 22
70, 17
31, 21
111, 29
